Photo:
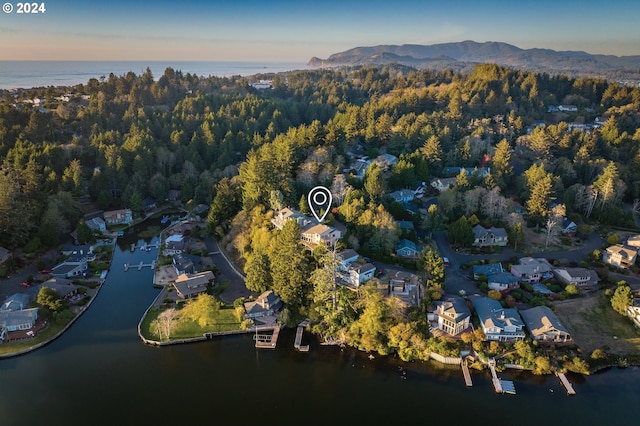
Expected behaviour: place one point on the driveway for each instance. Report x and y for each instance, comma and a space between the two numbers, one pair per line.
237, 287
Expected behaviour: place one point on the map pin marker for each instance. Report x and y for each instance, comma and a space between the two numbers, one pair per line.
319, 199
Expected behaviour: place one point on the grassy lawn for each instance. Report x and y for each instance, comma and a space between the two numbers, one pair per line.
224, 321
45, 334
594, 324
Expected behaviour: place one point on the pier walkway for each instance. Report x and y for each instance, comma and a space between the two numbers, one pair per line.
298, 342
465, 373
501, 386
140, 265
565, 382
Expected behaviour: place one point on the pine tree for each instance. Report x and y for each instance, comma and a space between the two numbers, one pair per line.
538, 203
289, 266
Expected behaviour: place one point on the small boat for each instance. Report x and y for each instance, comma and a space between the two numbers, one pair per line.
165, 219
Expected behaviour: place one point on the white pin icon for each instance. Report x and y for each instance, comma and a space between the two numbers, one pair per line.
319, 200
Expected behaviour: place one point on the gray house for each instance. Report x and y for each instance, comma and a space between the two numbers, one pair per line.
267, 304
544, 325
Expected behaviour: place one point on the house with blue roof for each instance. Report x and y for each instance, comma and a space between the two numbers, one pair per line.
498, 324
407, 248
503, 281
487, 270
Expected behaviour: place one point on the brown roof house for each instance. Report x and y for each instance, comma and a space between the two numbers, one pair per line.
267, 304
117, 217
544, 325
191, 285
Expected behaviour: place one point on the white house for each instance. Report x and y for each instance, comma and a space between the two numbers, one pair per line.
503, 281
402, 196
346, 257
453, 315
497, 323
361, 273
633, 311
443, 184
620, 256
117, 217
316, 234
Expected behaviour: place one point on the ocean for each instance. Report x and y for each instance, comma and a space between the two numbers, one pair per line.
27, 74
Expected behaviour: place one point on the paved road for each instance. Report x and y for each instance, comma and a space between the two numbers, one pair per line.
456, 278
237, 288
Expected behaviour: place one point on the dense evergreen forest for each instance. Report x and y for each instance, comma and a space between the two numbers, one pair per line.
246, 152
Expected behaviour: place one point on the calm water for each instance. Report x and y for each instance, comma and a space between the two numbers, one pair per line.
100, 373
25, 74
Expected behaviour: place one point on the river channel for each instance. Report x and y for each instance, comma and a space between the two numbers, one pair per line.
100, 373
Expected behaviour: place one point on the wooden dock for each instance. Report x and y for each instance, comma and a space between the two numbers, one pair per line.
140, 265
298, 342
267, 341
465, 373
501, 386
565, 382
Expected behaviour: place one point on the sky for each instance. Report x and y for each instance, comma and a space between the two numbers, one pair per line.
296, 30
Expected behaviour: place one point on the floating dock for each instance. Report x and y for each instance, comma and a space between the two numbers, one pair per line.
140, 265
565, 382
500, 386
298, 342
146, 247
267, 341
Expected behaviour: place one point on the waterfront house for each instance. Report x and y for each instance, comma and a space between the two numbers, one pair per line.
544, 325
97, 224
191, 285
267, 304
118, 217
23, 319
74, 266
502, 282
487, 270
15, 302
149, 203
184, 263
498, 323
484, 237
620, 256
63, 287
174, 244
583, 278
453, 315
532, 269
407, 248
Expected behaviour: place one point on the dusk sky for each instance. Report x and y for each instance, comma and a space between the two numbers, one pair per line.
296, 30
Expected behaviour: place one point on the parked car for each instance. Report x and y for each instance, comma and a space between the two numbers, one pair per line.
25, 284
445, 260
44, 271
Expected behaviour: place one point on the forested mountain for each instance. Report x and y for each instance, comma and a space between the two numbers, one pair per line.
462, 56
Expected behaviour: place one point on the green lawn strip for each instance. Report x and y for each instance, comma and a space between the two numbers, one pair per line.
225, 320
44, 335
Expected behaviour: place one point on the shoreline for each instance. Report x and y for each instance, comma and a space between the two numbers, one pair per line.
71, 322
